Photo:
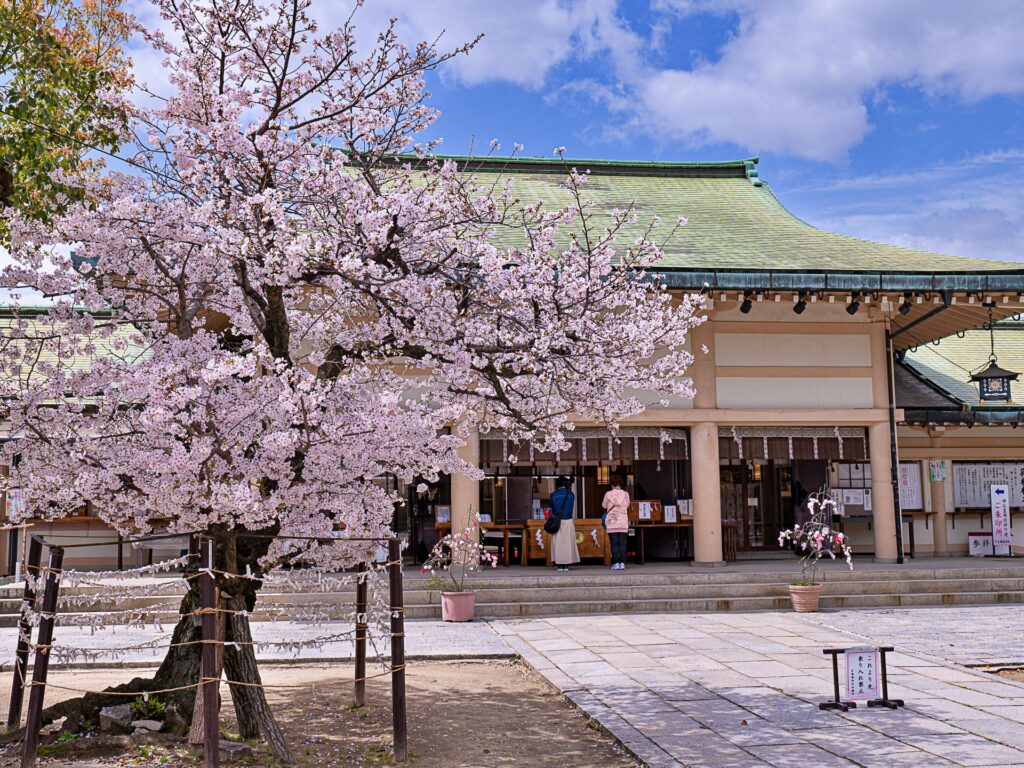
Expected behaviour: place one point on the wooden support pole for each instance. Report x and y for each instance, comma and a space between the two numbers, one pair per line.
400, 723
28, 603
361, 627
209, 673
48, 616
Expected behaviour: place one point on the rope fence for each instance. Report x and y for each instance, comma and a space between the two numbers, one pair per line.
49, 578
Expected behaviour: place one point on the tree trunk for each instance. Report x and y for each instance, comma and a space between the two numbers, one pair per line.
254, 715
180, 668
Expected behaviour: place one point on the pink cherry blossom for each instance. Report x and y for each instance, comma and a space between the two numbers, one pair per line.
289, 296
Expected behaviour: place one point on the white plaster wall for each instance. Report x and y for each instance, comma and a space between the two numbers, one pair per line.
794, 392
779, 350
653, 399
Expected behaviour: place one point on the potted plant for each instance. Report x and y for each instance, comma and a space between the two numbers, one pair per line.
813, 540
451, 561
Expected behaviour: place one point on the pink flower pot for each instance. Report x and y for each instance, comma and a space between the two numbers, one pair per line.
458, 606
805, 599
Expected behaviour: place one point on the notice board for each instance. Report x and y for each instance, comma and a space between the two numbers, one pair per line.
972, 483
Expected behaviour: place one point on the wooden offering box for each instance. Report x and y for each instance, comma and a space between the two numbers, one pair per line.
644, 511
591, 541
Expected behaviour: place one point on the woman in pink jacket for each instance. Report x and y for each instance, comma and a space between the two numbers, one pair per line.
616, 504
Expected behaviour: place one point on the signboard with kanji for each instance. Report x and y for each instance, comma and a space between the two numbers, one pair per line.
862, 671
15, 502
911, 496
972, 483
1000, 519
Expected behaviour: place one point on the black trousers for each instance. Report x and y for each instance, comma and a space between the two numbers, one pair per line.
618, 547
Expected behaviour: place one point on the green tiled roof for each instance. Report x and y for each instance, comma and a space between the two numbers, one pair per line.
735, 220
949, 364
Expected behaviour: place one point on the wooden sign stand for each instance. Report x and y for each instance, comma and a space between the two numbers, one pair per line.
842, 706
845, 706
885, 701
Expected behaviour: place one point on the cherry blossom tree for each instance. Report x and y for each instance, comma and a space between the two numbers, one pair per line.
287, 296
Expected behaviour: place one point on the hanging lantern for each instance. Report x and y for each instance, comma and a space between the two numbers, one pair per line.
993, 381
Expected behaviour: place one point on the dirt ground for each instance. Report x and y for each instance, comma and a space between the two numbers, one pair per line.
461, 715
1013, 674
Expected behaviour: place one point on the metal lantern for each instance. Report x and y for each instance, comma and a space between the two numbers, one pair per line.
993, 381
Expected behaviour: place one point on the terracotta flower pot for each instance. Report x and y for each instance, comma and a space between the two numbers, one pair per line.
458, 606
805, 599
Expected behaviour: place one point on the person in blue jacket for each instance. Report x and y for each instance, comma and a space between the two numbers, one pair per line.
563, 543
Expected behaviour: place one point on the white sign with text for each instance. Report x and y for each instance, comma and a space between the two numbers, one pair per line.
1000, 519
862, 670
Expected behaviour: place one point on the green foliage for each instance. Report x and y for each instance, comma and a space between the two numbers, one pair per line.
56, 58
147, 710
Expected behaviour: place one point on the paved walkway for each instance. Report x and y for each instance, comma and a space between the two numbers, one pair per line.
433, 640
720, 689
970, 635
737, 690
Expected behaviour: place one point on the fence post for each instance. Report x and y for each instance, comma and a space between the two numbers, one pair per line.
28, 602
400, 723
48, 617
361, 627
208, 674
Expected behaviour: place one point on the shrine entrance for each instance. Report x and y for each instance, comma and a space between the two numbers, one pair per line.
757, 497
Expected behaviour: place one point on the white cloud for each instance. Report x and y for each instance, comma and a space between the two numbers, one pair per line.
523, 40
974, 207
796, 75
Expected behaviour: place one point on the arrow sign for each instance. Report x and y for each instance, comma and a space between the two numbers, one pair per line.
1001, 538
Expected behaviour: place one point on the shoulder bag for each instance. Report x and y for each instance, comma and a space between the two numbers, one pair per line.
554, 521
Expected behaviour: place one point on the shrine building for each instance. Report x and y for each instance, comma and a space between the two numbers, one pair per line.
832, 363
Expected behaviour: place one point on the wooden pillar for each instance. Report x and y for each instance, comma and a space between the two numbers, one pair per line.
44, 641
28, 603
940, 535
210, 674
883, 505
707, 495
399, 716
361, 628
466, 490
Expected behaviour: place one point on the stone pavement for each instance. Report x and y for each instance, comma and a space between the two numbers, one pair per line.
971, 635
433, 640
737, 690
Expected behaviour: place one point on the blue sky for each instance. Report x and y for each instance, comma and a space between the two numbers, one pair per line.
895, 121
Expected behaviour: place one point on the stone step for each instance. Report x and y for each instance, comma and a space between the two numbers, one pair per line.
620, 587
540, 577
698, 605
340, 610
627, 591
686, 575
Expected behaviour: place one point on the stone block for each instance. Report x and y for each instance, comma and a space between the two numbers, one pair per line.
116, 719
233, 751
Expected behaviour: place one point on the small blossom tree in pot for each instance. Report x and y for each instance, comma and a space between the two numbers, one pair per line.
456, 556
813, 540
